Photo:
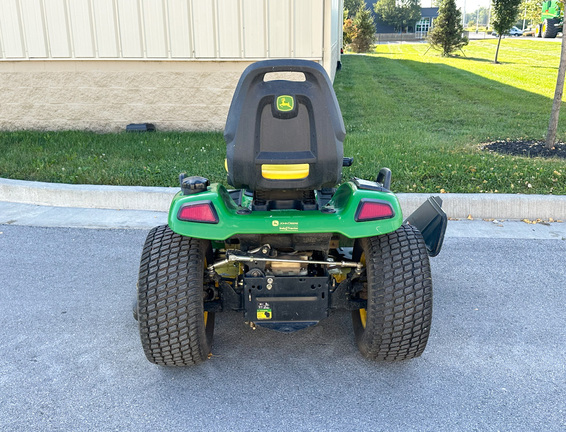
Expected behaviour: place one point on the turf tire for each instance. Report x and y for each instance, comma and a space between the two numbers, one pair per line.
399, 296
174, 329
549, 29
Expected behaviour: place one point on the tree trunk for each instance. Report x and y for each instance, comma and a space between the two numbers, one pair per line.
555, 112
497, 50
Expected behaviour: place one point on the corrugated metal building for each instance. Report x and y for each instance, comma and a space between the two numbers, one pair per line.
101, 64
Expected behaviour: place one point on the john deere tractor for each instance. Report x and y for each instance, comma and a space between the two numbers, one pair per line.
291, 242
552, 17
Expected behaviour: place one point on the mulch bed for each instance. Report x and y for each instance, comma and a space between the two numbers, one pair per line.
525, 148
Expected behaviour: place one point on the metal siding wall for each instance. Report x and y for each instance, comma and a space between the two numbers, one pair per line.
229, 25
11, 30
57, 29
254, 23
279, 24
82, 29
180, 36
308, 30
155, 29
130, 28
204, 28
166, 29
34, 28
105, 28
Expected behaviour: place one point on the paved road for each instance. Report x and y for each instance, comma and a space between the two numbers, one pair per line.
71, 358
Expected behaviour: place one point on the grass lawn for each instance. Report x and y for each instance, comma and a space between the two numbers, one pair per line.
421, 115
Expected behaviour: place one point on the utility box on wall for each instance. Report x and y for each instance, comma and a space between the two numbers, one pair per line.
102, 64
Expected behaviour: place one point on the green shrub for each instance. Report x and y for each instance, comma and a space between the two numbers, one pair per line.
364, 30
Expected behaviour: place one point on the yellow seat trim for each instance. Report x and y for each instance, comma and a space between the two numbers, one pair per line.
285, 172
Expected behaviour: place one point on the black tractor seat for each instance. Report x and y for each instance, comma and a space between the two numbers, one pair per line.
284, 138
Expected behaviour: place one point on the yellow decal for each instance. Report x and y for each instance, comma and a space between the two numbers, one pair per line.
264, 314
285, 103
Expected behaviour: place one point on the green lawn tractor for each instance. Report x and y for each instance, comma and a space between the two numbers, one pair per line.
552, 17
287, 246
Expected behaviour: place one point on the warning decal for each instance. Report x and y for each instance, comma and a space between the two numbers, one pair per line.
264, 311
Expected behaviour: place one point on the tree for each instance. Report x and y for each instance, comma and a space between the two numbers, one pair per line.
555, 111
352, 6
364, 30
348, 31
398, 13
530, 10
503, 16
447, 33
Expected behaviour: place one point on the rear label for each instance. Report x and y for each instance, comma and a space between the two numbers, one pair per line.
285, 226
264, 311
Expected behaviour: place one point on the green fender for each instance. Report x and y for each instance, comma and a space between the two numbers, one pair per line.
338, 218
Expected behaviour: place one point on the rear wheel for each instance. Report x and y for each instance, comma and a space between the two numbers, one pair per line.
538, 31
396, 323
174, 328
549, 29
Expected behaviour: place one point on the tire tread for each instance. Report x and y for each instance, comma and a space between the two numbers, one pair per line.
399, 310
170, 302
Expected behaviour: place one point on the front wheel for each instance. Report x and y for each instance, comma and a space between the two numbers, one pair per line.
174, 328
395, 325
538, 31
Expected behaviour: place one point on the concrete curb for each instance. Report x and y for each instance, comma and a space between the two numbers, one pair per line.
87, 196
479, 206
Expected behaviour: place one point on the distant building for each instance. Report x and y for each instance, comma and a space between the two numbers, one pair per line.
428, 15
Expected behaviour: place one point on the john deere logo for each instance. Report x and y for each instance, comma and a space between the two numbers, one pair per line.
285, 103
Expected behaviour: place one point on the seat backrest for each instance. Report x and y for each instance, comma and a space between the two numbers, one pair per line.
284, 134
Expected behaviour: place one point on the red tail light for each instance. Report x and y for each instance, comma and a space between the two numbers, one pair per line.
201, 211
369, 210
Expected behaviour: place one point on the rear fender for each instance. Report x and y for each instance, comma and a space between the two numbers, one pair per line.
337, 216
431, 221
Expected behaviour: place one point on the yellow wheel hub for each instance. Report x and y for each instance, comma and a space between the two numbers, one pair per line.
363, 317
363, 312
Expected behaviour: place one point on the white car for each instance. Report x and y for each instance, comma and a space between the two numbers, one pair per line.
513, 31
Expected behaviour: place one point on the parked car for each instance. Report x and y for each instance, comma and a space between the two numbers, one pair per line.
513, 31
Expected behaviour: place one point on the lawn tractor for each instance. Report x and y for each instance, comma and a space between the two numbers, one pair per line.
288, 244
552, 17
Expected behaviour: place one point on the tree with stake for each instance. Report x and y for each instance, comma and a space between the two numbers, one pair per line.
555, 112
504, 15
447, 34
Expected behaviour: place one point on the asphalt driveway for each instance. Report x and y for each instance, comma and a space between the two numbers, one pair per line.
71, 357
